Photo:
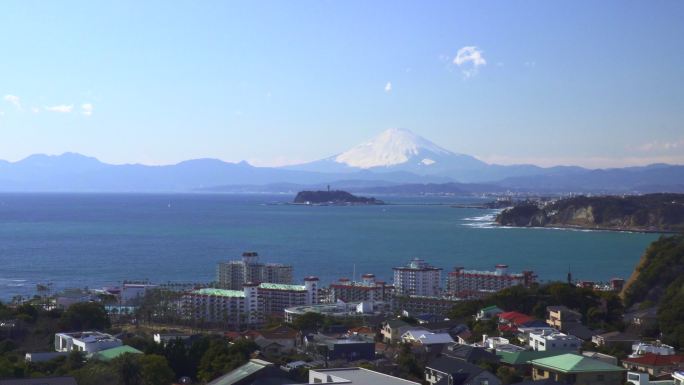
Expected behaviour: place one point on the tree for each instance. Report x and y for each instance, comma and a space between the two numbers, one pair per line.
84, 316
309, 321
508, 375
128, 368
155, 370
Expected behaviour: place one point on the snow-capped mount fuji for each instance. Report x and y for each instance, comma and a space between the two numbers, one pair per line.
396, 149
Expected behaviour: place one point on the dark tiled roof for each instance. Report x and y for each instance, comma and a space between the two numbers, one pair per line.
469, 353
461, 371
547, 381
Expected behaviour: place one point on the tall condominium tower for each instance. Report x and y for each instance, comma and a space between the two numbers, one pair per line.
232, 275
417, 278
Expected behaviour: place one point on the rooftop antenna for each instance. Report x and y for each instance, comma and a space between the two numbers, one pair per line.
354, 274
328, 188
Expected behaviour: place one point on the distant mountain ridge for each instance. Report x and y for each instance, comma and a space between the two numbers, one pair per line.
396, 161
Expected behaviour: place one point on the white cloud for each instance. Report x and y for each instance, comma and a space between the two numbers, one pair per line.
14, 100
659, 146
388, 87
62, 108
469, 58
35, 110
87, 109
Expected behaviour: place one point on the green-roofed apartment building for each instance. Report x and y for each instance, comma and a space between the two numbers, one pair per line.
250, 306
576, 369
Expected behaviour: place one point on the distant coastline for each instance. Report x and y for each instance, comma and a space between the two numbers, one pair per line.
652, 213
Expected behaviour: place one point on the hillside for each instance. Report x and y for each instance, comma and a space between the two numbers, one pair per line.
659, 280
652, 212
333, 197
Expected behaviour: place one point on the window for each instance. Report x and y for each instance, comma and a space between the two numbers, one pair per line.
600, 377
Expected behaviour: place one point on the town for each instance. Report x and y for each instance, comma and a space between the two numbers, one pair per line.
254, 325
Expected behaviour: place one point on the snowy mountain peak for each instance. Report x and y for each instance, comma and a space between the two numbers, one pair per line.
392, 147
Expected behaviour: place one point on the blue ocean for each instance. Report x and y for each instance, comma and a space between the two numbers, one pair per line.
95, 240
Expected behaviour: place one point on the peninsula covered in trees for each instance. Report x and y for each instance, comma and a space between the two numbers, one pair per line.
651, 212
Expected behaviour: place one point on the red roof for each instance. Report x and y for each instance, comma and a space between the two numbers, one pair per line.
515, 318
656, 360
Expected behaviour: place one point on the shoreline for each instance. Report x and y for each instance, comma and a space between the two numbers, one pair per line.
585, 228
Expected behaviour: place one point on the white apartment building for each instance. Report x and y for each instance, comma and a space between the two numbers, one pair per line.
368, 289
250, 305
547, 341
417, 278
476, 284
87, 342
232, 275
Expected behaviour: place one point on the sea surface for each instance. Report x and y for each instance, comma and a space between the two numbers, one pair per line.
96, 240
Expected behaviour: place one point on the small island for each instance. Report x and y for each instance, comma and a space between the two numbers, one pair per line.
335, 197
642, 213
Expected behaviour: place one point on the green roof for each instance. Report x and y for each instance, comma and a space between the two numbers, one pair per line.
574, 363
523, 357
220, 292
281, 286
110, 354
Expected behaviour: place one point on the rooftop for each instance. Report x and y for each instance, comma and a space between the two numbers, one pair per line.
281, 286
651, 359
220, 292
575, 363
110, 354
360, 376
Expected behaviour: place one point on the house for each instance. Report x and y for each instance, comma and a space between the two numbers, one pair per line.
39, 381
560, 316
512, 320
284, 337
657, 347
354, 376
451, 371
469, 354
643, 319
654, 364
546, 381
554, 341
615, 339
255, 371
349, 349
487, 313
110, 354
393, 328
164, 338
572, 368
424, 337
88, 342
678, 377
364, 331
521, 359
636, 378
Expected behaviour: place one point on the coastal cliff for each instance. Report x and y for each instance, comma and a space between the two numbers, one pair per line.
652, 212
658, 283
333, 197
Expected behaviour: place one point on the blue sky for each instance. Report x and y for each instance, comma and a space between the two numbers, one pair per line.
595, 83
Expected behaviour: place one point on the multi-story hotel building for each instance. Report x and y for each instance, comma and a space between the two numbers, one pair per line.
417, 278
477, 284
232, 275
368, 289
249, 306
